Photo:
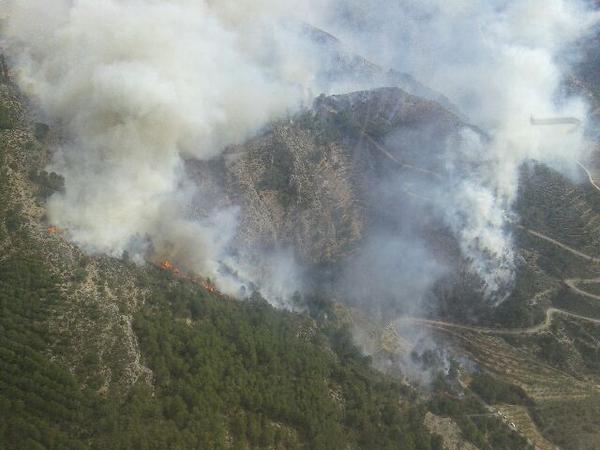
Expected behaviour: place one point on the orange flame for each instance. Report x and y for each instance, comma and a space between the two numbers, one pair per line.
52, 230
206, 284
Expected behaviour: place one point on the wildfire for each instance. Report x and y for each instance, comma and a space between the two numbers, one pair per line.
206, 284
52, 230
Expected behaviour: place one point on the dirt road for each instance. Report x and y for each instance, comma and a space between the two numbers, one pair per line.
589, 175
561, 245
550, 312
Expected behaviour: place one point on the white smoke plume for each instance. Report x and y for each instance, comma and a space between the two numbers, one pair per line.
138, 86
500, 62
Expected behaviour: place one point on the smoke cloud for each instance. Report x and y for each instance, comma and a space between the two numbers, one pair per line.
500, 62
139, 86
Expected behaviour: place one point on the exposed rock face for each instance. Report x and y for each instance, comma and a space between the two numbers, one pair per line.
355, 171
296, 191
309, 183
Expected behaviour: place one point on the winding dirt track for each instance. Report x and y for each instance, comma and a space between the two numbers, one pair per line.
589, 175
561, 245
572, 284
550, 312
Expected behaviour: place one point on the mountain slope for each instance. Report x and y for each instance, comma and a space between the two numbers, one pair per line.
100, 353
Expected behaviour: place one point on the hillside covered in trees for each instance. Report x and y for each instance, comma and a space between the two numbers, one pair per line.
101, 353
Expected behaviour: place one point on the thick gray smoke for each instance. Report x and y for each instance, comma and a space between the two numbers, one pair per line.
138, 86
499, 62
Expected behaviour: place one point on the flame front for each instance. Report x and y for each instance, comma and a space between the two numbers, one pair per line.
206, 284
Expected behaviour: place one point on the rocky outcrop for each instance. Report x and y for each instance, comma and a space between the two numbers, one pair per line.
305, 183
310, 183
296, 191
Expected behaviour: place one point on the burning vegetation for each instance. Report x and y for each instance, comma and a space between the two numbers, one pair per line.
205, 283
209, 286
167, 265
